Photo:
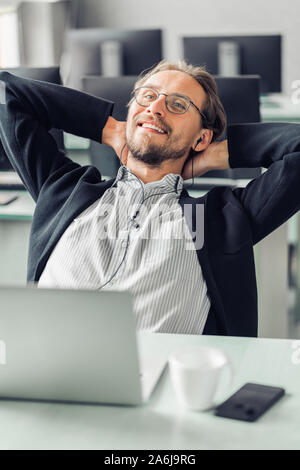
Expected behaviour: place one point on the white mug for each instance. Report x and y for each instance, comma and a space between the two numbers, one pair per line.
196, 374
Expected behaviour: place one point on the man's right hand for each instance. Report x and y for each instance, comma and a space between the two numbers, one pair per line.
114, 134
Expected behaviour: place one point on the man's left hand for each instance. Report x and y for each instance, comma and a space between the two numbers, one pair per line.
214, 157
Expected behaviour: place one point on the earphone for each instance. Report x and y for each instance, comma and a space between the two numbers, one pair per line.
192, 157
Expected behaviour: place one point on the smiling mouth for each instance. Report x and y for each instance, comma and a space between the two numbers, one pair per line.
151, 128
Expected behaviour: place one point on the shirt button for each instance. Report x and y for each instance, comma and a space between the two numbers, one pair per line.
124, 244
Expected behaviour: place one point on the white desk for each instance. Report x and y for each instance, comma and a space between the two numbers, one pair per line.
162, 424
283, 110
20, 209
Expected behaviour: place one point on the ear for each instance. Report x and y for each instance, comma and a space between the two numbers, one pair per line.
203, 140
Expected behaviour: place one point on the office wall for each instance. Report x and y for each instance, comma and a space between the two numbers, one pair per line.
194, 17
9, 47
41, 31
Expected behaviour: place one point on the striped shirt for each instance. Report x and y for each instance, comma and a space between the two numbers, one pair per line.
135, 238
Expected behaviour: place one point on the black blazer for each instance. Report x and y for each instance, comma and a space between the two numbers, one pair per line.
234, 219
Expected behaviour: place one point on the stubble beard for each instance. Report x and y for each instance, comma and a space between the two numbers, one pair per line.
153, 154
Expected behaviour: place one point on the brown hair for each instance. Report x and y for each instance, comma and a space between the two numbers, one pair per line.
213, 108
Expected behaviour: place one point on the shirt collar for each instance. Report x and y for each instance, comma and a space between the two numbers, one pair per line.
170, 182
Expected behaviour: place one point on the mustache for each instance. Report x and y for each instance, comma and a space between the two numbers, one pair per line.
156, 122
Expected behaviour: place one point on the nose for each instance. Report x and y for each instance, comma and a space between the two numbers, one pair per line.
158, 106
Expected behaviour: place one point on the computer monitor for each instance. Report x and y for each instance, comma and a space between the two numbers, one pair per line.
248, 55
46, 74
240, 98
83, 52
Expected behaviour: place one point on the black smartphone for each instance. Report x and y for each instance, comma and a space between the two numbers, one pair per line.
250, 402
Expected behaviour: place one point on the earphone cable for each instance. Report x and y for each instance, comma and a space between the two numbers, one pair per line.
131, 220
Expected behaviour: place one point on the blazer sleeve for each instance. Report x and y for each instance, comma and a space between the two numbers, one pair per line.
273, 197
28, 110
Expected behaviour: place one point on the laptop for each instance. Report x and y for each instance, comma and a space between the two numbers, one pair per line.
73, 345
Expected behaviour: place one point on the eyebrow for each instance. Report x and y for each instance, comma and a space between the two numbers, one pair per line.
152, 86
158, 88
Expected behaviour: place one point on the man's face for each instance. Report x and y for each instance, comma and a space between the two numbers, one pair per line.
180, 131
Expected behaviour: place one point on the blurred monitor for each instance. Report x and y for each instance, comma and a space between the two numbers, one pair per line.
47, 74
91, 51
240, 97
116, 89
234, 55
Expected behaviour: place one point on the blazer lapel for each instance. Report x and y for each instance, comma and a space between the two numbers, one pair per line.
189, 208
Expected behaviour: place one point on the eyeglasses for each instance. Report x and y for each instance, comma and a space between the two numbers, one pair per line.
175, 103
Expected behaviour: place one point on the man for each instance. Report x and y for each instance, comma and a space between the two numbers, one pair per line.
89, 233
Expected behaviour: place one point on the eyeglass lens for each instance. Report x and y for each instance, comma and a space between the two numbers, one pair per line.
175, 104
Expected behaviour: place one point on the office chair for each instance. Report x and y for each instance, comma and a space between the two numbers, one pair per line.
83, 52
47, 74
248, 55
118, 90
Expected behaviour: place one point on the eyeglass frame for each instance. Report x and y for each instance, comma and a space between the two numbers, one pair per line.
204, 118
